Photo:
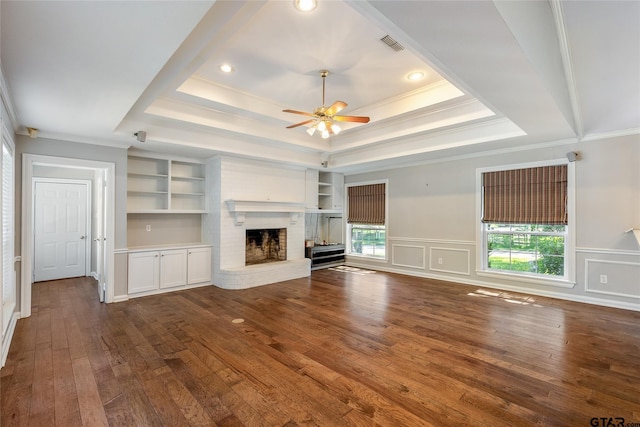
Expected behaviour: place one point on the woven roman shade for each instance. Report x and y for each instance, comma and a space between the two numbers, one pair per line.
366, 204
526, 196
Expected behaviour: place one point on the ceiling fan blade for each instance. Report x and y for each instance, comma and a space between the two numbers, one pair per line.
356, 119
298, 112
335, 108
301, 123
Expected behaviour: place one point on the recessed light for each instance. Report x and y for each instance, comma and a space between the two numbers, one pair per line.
226, 68
305, 5
416, 75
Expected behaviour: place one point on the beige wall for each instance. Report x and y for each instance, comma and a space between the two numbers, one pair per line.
66, 149
432, 214
166, 229
74, 150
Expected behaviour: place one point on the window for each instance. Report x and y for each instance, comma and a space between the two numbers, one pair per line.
368, 240
366, 220
525, 221
8, 275
528, 248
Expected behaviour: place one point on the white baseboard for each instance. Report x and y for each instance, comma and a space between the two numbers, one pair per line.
6, 342
120, 298
523, 290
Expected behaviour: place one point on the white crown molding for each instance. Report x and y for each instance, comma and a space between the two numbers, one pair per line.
79, 139
6, 100
475, 133
612, 134
474, 155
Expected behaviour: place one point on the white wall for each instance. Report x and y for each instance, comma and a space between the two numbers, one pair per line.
432, 215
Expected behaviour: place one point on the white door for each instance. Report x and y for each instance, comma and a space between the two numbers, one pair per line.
60, 225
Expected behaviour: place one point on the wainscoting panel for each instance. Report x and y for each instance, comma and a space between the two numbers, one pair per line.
408, 256
621, 277
448, 260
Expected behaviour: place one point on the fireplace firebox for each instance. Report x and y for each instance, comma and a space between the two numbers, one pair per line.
265, 245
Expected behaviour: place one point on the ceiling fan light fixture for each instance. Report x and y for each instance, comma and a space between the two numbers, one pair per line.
305, 5
322, 118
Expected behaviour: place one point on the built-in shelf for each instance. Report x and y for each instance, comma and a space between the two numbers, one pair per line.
187, 178
324, 192
157, 185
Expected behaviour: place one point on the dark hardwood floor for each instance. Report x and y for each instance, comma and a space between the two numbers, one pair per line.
337, 349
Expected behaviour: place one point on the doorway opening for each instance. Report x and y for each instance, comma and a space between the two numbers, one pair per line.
101, 235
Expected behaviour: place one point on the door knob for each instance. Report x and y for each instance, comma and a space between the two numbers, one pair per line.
82, 237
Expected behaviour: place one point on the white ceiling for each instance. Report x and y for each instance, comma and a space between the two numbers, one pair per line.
499, 75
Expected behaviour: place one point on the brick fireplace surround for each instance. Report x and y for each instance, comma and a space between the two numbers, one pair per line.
241, 215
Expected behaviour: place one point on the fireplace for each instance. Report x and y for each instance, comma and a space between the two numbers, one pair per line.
265, 245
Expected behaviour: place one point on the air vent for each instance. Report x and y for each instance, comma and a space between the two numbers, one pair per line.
389, 41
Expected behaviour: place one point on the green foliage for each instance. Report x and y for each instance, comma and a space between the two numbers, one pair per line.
515, 249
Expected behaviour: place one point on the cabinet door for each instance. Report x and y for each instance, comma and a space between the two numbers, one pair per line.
311, 189
143, 272
199, 265
337, 190
173, 268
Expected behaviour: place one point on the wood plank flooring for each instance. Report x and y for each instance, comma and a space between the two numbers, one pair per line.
336, 349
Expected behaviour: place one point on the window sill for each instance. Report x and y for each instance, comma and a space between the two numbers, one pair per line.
368, 258
558, 283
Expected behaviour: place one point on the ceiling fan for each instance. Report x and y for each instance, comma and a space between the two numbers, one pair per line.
323, 117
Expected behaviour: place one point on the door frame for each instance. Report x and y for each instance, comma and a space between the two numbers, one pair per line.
104, 173
88, 213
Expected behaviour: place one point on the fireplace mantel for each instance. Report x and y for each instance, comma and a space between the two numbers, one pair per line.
241, 207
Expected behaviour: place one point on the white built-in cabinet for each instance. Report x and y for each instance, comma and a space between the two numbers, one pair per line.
331, 191
165, 186
156, 187
198, 265
144, 272
311, 189
155, 271
173, 268
324, 191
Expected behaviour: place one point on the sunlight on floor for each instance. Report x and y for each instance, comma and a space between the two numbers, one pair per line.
513, 299
354, 270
